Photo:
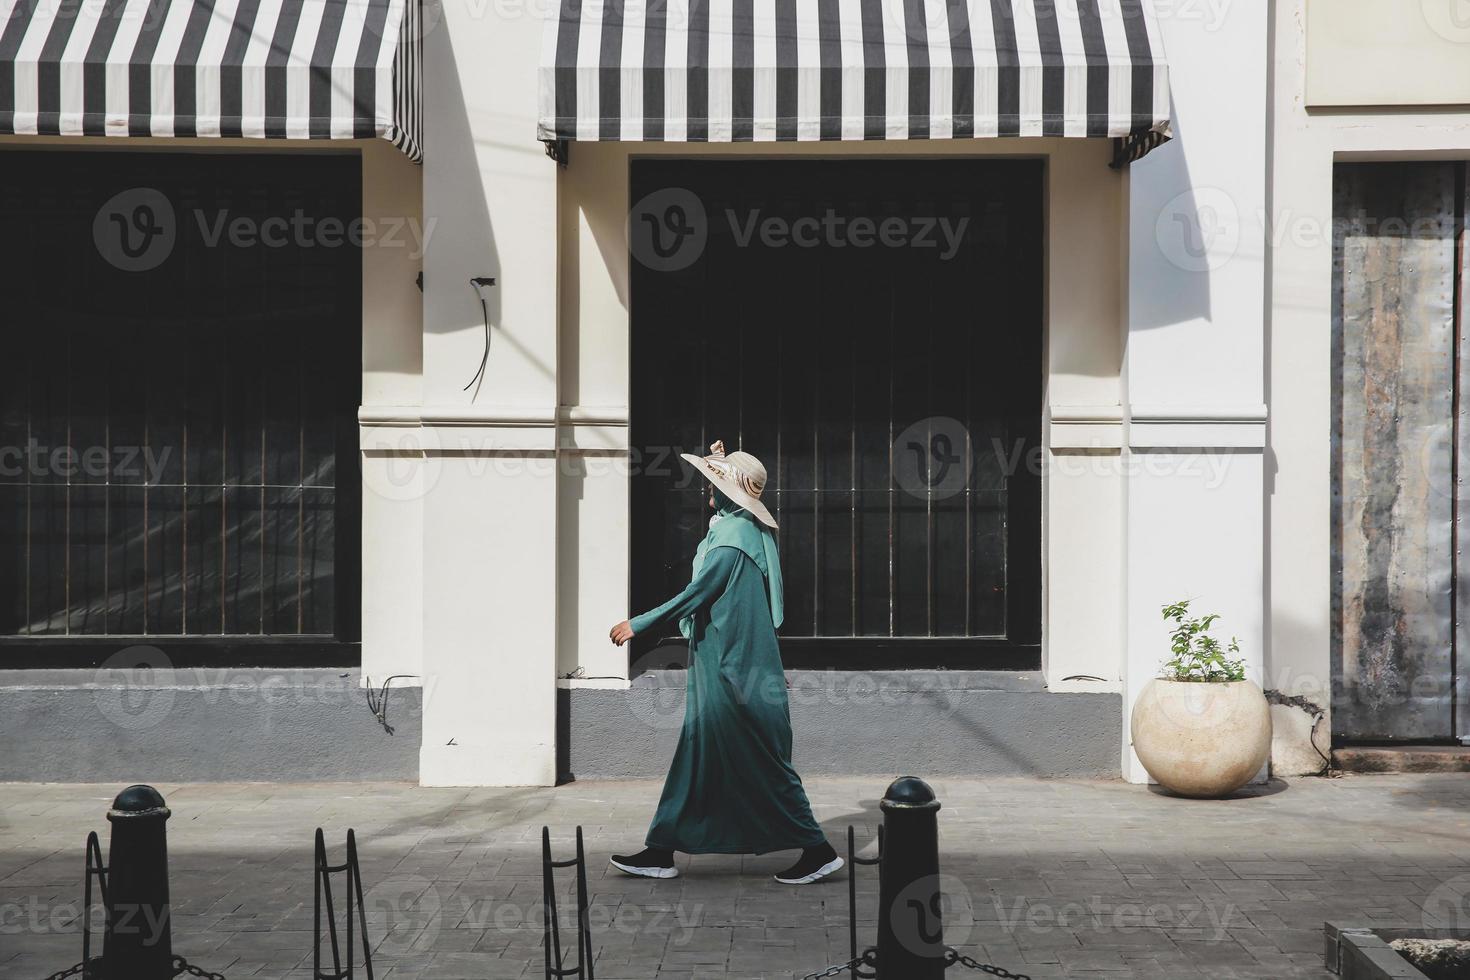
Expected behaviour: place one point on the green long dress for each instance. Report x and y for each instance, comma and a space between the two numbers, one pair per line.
731, 788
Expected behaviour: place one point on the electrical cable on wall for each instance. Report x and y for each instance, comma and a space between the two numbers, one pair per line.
1318, 713
479, 283
580, 674
378, 704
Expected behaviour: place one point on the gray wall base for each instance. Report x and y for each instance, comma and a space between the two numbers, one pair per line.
202, 725
930, 723
314, 725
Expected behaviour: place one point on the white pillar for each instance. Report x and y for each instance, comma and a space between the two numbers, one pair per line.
593, 556
490, 511
392, 388
1194, 368
1083, 526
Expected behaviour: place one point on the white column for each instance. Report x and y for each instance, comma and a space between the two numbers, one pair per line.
594, 477
392, 388
1194, 368
490, 515
1083, 528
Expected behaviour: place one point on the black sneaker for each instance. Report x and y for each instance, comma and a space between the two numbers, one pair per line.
651, 862
816, 863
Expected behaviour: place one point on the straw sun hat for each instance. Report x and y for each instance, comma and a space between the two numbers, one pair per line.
740, 476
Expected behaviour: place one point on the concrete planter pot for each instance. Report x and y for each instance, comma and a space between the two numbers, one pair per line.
1199, 739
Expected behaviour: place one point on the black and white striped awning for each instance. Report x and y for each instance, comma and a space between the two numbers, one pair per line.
273, 69
751, 70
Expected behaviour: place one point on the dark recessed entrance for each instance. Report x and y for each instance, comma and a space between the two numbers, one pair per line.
873, 332
178, 388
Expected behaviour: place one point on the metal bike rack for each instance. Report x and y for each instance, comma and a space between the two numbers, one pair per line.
323, 895
551, 930
853, 863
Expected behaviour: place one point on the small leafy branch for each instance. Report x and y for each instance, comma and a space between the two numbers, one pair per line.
1198, 655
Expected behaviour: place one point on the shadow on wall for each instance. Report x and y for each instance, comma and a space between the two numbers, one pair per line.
450, 153
1187, 232
454, 189
593, 190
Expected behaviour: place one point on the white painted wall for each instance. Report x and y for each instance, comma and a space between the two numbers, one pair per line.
1299, 483
1195, 347
1372, 53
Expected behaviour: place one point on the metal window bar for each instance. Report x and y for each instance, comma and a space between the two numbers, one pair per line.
84, 387
551, 929
948, 564
778, 496
853, 863
90, 574
171, 506
323, 895
815, 553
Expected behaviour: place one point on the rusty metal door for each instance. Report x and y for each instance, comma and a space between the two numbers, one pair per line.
1401, 597
1460, 660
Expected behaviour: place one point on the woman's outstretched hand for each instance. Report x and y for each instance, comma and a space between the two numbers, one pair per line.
621, 633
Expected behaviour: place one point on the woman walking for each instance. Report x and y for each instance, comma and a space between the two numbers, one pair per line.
731, 788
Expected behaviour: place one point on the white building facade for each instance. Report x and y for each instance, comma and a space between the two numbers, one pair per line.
1169, 380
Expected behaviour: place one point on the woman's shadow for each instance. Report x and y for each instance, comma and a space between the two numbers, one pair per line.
864, 824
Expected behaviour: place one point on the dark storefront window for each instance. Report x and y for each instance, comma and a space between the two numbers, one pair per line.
178, 384
872, 331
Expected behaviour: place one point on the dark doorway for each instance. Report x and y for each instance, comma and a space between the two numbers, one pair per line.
873, 332
178, 388
1401, 588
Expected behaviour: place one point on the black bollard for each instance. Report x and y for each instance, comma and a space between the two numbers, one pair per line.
137, 944
910, 926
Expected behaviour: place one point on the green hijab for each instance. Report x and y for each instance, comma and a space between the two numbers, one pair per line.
732, 526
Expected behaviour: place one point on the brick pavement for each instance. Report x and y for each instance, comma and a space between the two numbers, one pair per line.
1050, 878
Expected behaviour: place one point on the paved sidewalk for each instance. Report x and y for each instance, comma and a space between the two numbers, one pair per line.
1049, 878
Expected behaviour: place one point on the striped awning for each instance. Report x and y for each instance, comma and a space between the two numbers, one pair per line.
751, 70
272, 69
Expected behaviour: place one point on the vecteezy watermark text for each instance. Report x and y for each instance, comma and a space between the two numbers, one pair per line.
309, 231
405, 913
96, 462
136, 230
836, 230
669, 229
1096, 914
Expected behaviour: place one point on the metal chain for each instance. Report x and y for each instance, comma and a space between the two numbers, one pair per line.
70, 971
953, 956
833, 971
182, 965
869, 958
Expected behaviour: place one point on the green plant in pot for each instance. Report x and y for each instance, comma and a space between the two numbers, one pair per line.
1201, 728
